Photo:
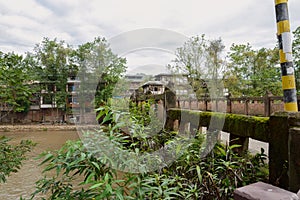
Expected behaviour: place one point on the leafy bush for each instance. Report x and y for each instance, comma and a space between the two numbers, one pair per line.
189, 177
215, 176
11, 156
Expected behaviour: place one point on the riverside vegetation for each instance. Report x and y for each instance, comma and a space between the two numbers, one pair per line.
11, 156
189, 177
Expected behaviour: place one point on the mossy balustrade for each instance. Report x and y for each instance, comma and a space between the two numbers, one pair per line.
239, 125
281, 130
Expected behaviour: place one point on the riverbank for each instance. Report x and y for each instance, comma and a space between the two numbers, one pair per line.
41, 127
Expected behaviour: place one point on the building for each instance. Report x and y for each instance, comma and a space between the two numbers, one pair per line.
45, 107
153, 87
178, 83
134, 82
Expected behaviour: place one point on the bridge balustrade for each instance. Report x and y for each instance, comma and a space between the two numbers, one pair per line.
281, 131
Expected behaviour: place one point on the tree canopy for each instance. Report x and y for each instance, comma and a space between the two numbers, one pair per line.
15, 89
100, 69
52, 58
296, 54
201, 60
252, 72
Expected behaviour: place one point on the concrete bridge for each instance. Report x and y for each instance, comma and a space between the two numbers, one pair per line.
281, 131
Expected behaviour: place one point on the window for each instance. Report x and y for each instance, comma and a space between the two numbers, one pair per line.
50, 87
71, 88
47, 99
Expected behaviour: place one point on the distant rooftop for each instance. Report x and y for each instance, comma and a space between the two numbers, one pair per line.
170, 74
153, 83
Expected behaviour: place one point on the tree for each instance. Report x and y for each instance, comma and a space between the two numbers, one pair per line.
15, 90
201, 60
252, 72
216, 65
93, 63
214, 60
53, 58
296, 55
99, 69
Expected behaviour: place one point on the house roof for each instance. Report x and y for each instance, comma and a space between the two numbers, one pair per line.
153, 83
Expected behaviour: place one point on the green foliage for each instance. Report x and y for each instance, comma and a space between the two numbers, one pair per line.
14, 82
142, 112
93, 63
70, 161
253, 72
99, 67
201, 60
189, 177
217, 175
296, 56
11, 156
53, 68
136, 128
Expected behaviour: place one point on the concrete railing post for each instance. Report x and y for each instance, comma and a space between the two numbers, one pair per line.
267, 105
284, 150
278, 150
294, 151
246, 108
294, 158
242, 141
229, 108
206, 102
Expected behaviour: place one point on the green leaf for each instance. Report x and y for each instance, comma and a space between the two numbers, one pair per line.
235, 146
96, 185
222, 151
96, 165
47, 158
199, 174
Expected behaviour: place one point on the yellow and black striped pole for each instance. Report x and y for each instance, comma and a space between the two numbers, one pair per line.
285, 52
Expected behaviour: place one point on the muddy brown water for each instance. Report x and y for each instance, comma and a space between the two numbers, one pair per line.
22, 183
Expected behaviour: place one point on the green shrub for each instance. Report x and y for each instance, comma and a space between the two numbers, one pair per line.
189, 177
11, 156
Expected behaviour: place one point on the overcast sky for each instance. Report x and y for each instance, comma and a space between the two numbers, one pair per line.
24, 23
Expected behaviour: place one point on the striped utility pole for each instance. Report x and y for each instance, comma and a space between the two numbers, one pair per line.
285, 52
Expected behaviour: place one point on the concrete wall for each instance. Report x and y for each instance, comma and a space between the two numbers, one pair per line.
247, 107
33, 116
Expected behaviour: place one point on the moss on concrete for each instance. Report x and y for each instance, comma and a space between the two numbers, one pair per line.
240, 125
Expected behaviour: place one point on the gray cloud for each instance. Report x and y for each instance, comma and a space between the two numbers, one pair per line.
162, 39
25, 23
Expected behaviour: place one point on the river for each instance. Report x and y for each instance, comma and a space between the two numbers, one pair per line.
22, 183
